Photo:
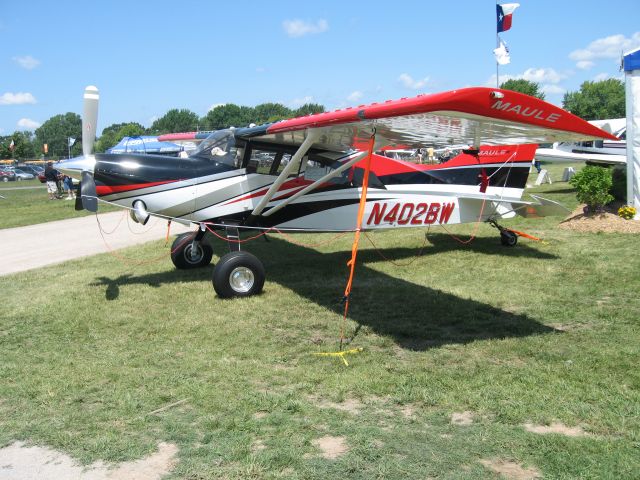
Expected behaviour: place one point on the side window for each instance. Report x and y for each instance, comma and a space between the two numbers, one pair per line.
268, 163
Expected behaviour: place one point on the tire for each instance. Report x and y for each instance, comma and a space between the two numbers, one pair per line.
508, 239
238, 274
19, 179
5, 179
181, 253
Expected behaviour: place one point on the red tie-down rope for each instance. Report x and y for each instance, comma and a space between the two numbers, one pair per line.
356, 238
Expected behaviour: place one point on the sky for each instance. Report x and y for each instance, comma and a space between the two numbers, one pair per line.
149, 57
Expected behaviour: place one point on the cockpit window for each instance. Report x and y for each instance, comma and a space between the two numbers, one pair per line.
219, 147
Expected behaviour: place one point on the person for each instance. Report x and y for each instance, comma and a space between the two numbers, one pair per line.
538, 165
68, 186
51, 176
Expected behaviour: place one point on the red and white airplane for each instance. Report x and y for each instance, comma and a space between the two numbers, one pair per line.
307, 174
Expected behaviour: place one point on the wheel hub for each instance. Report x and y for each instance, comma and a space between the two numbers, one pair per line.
193, 255
241, 279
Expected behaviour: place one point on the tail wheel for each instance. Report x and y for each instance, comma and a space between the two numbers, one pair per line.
508, 239
238, 274
185, 254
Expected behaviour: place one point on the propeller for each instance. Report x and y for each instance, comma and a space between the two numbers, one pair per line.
87, 199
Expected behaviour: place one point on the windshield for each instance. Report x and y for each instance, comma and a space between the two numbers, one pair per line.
219, 147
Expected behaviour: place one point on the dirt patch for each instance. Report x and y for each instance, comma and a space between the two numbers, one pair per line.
408, 411
511, 470
257, 446
19, 462
332, 447
350, 405
462, 418
558, 428
608, 221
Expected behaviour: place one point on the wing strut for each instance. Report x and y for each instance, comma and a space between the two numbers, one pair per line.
312, 135
356, 157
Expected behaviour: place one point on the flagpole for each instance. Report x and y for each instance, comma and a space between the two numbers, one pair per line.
69, 147
497, 46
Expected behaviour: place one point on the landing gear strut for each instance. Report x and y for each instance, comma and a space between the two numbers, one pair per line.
507, 237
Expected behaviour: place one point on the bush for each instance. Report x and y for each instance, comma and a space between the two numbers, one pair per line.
592, 185
619, 187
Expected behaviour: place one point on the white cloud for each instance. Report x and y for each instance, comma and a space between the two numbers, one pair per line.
298, 102
602, 76
607, 47
20, 98
27, 124
543, 75
214, 105
355, 96
408, 81
299, 28
27, 62
585, 64
553, 89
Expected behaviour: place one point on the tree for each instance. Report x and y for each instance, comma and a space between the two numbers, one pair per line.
308, 108
270, 112
597, 100
228, 115
114, 133
523, 86
176, 121
55, 133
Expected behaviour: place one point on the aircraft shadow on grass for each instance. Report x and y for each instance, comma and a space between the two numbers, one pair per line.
378, 300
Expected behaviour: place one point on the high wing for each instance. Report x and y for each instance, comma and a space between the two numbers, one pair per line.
470, 116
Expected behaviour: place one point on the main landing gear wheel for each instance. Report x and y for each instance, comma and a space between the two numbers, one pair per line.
186, 254
508, 239
238, 274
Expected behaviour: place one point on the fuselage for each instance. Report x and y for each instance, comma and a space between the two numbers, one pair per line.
400, 194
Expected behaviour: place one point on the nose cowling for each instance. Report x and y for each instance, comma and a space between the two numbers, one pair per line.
117, 174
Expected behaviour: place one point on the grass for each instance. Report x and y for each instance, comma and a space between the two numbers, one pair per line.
27, 203
539, 333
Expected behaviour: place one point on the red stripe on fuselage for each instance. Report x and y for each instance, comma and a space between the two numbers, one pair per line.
522, 154
103, 190
298, 183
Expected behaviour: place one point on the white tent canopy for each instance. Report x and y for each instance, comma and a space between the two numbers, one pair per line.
631, 63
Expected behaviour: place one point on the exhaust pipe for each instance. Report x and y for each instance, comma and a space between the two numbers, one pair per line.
139, 213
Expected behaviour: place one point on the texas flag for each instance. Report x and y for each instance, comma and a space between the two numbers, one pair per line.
504, 13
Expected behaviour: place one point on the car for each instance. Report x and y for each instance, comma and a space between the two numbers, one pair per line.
7, 175
35, 171
22, 175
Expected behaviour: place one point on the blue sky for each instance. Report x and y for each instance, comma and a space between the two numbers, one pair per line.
149, 57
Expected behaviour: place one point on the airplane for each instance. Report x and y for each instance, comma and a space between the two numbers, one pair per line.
324, 175
600, 152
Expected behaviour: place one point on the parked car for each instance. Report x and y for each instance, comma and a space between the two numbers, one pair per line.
7, 175
35, 171
22, 175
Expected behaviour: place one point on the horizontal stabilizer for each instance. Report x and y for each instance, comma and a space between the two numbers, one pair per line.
542, 207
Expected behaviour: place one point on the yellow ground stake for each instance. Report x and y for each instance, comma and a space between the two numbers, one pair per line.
340, 354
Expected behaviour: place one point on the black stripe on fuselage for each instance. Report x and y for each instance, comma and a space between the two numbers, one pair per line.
515, 177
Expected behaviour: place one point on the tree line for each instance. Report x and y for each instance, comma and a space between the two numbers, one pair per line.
594, 101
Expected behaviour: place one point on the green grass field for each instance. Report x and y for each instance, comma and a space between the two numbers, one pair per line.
28, 206
536, 334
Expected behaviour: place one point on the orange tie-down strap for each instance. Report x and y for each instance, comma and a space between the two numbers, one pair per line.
525, 235
356, 237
